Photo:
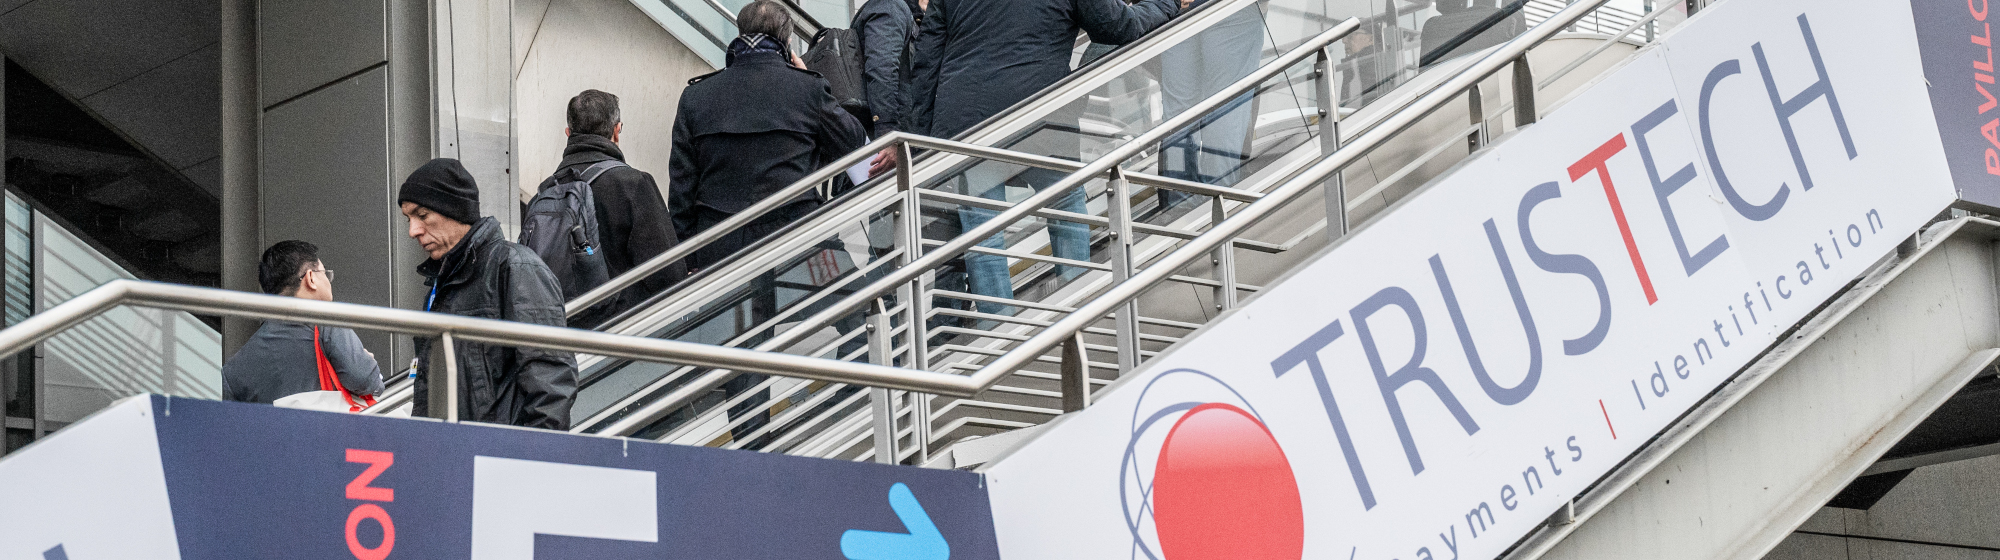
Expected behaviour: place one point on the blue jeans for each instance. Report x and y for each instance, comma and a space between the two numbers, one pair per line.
1213, 150
988, 274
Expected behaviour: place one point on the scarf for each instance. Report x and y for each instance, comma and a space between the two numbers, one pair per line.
753, 43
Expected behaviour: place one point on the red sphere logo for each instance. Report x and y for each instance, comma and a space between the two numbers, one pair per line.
1220, 488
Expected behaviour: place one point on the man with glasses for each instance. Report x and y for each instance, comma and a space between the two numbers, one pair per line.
282, 358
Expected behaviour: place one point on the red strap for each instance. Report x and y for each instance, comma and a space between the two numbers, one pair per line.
330, 381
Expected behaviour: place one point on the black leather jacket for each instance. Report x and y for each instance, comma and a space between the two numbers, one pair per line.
488, 277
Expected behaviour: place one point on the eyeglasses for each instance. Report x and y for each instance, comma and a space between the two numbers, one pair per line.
327, 271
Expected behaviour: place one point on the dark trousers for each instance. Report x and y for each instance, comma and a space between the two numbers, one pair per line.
745, 236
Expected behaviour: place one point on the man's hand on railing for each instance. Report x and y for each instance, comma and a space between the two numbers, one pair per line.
883, 163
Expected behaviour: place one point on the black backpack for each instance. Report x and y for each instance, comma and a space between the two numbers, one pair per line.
836, 55
561, 226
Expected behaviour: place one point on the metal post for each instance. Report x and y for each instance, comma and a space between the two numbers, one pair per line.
910, 235
169, 364
241, 112
1693, 6
41, 387
1391, 41
1476, 108
1075, 374
1910, 245
1651, 26
444, 396
1119, 210
1328, 90
37, 264
882, 401
1224, 257
1525, 110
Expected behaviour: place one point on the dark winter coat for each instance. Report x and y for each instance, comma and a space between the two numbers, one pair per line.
749, 131
888, 30
632, 221
976, 58
489, 277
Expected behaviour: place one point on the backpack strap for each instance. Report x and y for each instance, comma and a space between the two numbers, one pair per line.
591, 173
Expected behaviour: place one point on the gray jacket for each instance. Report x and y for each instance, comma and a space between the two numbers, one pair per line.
278, 361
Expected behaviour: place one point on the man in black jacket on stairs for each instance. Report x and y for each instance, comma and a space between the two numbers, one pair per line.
632, 220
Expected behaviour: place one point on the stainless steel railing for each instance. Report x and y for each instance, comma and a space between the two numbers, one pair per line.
1419, 105
1002, 126
1115, 303
932, 258
1110, 303
714, 24
451, 328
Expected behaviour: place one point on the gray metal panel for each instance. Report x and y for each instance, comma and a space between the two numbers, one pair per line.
325, 179
410, 143
84, 46
171, 110
304, 44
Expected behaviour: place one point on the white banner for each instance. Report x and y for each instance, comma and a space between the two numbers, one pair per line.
95, 490
1441, 382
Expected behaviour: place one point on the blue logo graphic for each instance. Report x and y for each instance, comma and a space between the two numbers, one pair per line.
55, 554
923, 542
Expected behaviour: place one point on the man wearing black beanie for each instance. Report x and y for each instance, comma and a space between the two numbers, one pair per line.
471, 266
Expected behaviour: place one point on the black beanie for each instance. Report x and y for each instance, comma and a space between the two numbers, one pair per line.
443, 186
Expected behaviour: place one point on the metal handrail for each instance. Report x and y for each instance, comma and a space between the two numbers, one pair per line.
708, 236
962, 243
1313, 177
1629, 29
803, 23
991, 130
212, 301
1404, 112
905, 142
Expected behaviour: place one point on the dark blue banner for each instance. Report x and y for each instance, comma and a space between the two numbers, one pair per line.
1956, 38
249, 481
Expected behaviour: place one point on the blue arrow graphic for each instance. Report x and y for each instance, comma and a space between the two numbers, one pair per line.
923, 542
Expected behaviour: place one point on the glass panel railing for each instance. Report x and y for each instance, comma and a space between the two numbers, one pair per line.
707, 26
18, 386
1089, 124
754, 304
1033, 258
126, 351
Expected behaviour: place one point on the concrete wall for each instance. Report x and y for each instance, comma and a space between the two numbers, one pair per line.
472, 88
568, 46
1943, 512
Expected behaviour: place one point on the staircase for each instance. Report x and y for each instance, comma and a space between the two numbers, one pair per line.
763, 297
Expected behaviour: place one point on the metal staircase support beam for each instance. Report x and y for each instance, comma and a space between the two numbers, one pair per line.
1739, 472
